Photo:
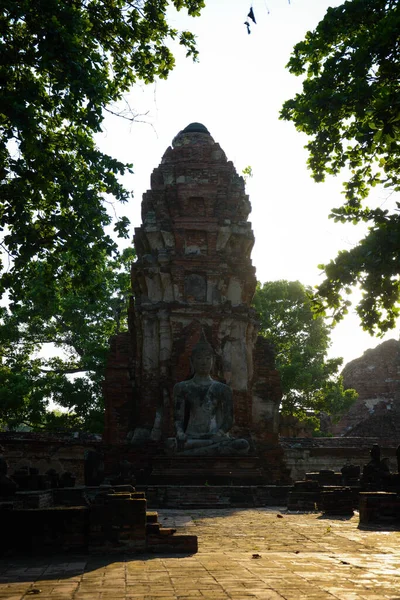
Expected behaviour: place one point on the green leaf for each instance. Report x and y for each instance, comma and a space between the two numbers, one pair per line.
349, 108
301, 337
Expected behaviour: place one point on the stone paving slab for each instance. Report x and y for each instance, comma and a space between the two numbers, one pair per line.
262, 554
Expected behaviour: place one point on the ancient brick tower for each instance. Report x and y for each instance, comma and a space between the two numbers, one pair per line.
193, 274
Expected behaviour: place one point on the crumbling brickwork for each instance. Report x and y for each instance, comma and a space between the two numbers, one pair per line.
376, 378
193, 276
46, 451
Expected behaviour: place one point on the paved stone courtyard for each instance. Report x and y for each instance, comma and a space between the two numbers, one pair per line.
243, 553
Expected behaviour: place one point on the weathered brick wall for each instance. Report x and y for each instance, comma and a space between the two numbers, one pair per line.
304, 455
267, 392
291, 427
376, 378
118, 388
45, 451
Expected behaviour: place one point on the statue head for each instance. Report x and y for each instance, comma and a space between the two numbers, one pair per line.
202, 357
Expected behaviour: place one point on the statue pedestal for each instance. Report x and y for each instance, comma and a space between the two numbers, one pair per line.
208, 470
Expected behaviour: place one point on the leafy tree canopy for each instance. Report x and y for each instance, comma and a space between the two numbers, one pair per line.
61, 65
350, 109
73, 335
310, 381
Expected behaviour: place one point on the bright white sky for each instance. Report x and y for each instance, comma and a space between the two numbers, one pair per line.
236, 90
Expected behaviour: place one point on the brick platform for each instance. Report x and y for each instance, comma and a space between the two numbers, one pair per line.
379, 507
207, 470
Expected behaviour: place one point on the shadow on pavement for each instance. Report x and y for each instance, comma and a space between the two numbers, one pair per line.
50, 567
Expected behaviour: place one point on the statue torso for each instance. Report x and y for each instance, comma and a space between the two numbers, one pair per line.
207, 407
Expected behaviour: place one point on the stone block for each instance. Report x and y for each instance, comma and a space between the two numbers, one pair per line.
379, 507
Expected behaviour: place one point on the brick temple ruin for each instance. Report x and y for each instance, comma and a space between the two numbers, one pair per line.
193, 348
376, 377
193, 277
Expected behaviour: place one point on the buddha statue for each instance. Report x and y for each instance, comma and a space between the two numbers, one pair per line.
203, 411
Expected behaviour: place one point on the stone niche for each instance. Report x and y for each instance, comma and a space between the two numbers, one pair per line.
193, 277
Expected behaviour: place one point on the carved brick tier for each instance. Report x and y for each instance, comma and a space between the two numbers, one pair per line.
193, 274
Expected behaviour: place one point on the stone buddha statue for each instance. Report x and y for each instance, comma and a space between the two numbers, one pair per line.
203, 411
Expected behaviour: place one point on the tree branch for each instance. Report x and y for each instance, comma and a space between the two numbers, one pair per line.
65, 371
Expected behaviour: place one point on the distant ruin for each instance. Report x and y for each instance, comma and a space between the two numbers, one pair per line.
376, 378
191, 391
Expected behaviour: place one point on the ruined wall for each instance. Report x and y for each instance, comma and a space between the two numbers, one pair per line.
266, 391
292, 427
46, 451
193, 275
376, 378
305, 455
118, 387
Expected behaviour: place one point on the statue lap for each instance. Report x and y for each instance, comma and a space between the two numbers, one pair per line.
203, 418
